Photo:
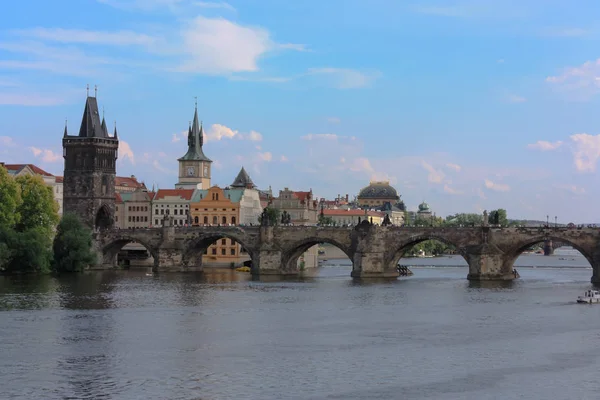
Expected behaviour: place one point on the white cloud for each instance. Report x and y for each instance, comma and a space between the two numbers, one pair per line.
254, 136
266, 156
212, 4
435, 176
283, 159
544, 145
584, 79
323, 136
157, 166
118, 38
218, 132
334, 120
343, 78
450, 190
498, 187
361, 164
217, 45
513, 98
45, 154
176, 138
571, 188
481, 194
7, 141
455, 167
125, 152
586, 151
500, 61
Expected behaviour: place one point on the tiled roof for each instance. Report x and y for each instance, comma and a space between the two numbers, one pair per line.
129, 181
233, 195
118, 198
16, 168
185, 194
354, 212
243, 180
302, 196
59, 179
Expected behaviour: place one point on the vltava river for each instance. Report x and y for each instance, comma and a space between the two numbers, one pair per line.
125, 335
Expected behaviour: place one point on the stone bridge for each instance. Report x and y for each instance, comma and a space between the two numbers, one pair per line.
374, 250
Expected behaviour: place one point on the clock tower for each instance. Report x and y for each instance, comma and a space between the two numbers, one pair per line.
194, 166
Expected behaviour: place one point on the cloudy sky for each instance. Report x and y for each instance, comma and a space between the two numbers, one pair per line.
469, 105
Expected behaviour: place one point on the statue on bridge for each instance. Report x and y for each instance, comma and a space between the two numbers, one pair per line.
386, 220
286, 218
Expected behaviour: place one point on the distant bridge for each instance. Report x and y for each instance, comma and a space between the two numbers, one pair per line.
374, 250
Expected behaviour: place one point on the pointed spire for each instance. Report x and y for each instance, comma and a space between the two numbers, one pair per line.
115, 136
104, 129
91, 126
243, 180
65, 134
195, 140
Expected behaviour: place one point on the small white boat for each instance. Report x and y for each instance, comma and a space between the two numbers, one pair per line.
589, 297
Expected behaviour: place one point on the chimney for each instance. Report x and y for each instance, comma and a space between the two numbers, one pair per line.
347, 197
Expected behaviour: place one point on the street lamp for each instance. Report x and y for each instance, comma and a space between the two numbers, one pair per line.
547, 221
555, 222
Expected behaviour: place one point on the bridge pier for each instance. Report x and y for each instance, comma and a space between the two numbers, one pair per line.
372, 265
488, 263
548, 247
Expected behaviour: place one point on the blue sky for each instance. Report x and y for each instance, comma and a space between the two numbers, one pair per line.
469, 105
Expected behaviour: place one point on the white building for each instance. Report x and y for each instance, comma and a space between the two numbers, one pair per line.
172, 202
54, 182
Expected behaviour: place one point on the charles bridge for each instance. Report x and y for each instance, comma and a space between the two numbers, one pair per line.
375, 251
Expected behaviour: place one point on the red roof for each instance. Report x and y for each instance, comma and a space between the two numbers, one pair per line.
128, 181
118, 198
302, 196
182, 193
34, 168
59, 179
350, 213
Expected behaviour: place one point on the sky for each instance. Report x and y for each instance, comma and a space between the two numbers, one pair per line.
469, 105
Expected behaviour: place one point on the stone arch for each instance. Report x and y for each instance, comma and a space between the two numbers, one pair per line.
112, 248
396, 254
513, 253
194, 249
103, 219
292, 253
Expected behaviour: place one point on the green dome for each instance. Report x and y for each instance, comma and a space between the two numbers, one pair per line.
378, 190
423, 207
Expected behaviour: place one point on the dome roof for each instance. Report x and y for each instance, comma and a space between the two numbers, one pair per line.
423, 207
378, 190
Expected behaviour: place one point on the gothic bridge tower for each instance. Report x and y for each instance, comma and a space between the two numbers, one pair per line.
90, 169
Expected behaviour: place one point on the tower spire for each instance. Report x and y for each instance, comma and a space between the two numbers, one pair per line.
65, 134
95, 90
87, 90
115, 136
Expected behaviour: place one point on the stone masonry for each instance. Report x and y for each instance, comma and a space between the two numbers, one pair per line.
374, 250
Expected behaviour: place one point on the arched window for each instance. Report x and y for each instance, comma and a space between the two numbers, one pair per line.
224, 220
215, 220
196, 220
233, 220
205, 220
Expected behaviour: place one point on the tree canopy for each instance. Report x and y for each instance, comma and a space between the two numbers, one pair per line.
10, 198
72, 246
37, 209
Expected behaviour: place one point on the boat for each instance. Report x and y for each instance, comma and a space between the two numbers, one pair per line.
589, 297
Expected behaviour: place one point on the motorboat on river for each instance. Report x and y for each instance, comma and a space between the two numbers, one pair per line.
589, 297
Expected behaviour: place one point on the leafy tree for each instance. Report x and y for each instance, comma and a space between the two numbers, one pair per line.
323, 220
10, 198
463, 219
38, 210
498, 217
72, 246
272, 216
28, 251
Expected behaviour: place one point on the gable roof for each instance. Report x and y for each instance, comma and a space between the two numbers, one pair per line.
185, 194
129, 181
14, 169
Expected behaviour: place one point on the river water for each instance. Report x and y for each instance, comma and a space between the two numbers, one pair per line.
125, 335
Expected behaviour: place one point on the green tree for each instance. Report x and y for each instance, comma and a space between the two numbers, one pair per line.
464, 219
72, 246
323, 220
28, 251
38, 209
272, 216
10, 198
498, 217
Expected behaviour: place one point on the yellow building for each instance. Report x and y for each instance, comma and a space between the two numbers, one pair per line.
214, 207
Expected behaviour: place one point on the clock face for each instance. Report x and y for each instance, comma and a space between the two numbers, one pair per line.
190, 171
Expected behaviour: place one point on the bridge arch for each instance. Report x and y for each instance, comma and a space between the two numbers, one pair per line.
515, 252
398, 251
112, 248
195, 248
292, 253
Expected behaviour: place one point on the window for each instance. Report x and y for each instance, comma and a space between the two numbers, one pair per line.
137, 219
175, 212
145, 219
232, 242
233, 252
214, 251
196, 220
205, 251
224, 209
155, 222
224, 219
217, 196
130, 218
223, 252
162, 212
116, 218
117, 208
224, 242
233, 220
205, 220
215, 220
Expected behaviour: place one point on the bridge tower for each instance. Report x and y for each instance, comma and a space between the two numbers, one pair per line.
90, 169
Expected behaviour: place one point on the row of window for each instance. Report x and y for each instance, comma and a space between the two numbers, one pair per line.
214, 209
223, 252
138, 219
215, 220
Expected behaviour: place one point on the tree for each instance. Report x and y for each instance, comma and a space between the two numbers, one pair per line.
72, 246
464, 220
498, 217
10, 198
28, 251
38, 208
272, 215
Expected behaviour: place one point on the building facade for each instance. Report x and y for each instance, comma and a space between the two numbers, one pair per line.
174, 203
90, 170
194, 166
133, 209
128, 184
351, 217
377, 194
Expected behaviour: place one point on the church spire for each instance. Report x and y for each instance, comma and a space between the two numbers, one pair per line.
195, 140
65, 134
115, 136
